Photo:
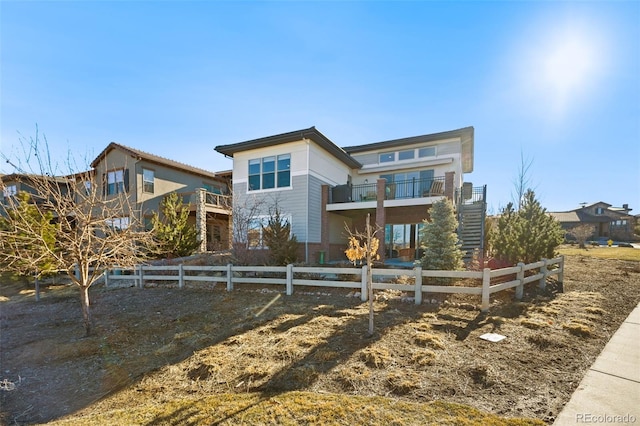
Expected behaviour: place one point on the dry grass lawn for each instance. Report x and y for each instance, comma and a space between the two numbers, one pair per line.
205, 356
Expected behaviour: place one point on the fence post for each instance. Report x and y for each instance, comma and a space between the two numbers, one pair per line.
486, 282
543, 280
520, 277
289, 279
180, 276
561, 272
106, 277
418, 293
363, 284
229, 277
140, 275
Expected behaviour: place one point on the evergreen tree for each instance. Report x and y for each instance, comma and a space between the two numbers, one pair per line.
32, 220
283, 245
173, 234
440, 240
527, 235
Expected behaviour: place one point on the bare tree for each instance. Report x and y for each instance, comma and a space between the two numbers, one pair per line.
581, 233
363, 248
92, 231
245, 215
522, 182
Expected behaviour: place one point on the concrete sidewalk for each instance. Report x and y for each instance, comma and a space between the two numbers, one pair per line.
609, 394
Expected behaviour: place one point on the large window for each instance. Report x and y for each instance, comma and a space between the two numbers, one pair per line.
270, 172
256, 228
407, 154
148, 177
410, 184
115, 182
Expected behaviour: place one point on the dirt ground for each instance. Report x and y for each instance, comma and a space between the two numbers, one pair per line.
167, 343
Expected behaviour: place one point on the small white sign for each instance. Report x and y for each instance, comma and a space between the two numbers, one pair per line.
493, 337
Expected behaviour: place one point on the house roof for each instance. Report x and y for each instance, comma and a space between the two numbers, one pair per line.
564, 217
310, 133
465, 134
141, 155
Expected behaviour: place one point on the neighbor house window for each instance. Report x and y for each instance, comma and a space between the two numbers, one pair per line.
599, 210
10, 191
148, 177
115, 182
270, 172
118, 223
87, 187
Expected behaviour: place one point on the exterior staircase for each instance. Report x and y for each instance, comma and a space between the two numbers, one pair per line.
471, 217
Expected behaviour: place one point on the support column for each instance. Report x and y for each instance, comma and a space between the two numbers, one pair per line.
324, 222
381, 216
201, 218
449, 185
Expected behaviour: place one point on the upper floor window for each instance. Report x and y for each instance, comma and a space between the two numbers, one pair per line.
407, 154
116, 181
270, 172
10, 191
87, 187
599, 210
427, 151
148, 177
387, 157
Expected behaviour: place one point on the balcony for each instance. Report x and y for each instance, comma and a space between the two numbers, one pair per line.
401, 190
212, 201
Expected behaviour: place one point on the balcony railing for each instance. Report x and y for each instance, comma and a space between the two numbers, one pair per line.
213, 199
411, 188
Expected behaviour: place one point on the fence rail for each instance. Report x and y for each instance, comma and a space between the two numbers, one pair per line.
491, 281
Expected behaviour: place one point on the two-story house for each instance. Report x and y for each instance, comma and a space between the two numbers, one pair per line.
322, 188
605, 220
147, 179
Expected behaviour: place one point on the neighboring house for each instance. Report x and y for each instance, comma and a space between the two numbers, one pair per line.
147, 179
14, 183
321, 188
607, 222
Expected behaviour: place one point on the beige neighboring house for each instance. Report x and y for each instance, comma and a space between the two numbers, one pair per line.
148, 178
607, 221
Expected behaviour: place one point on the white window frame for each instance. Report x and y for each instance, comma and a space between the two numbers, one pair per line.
115, 178
276, 172
119, 223
146, 182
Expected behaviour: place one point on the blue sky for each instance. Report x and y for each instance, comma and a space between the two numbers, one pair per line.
555, 82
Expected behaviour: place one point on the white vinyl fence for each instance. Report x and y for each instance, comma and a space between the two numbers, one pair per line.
482, 283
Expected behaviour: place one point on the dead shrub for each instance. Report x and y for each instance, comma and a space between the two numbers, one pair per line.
376, 357
578, 329
534, 323
425, 339
403, 382
423, 357
480, 376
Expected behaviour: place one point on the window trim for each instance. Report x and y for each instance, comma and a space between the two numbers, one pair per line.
118, 189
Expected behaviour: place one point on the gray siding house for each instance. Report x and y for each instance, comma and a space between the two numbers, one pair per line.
320, 188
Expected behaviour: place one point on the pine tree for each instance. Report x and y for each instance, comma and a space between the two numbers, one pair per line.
173, 234
283, 245
440, 240
32, 220
526, 235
